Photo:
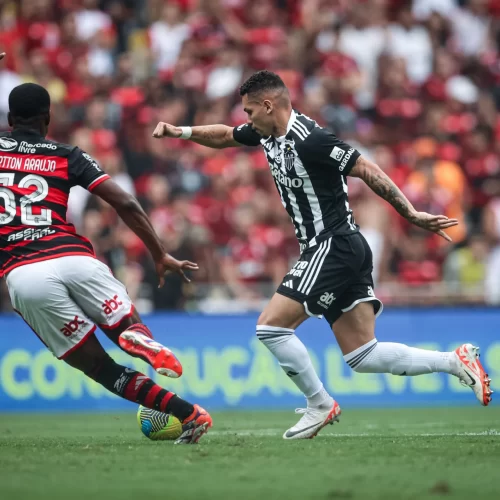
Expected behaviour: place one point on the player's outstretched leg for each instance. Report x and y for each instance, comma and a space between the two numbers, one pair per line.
293, 357
364, 354
136, 339
95, 362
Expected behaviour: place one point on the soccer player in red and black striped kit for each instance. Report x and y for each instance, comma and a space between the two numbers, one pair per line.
54, 279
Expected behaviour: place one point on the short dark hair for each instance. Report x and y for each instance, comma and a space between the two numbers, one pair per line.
262, 80
29, 100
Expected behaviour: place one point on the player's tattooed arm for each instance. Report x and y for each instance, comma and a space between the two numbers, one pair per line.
212, 136
381, 184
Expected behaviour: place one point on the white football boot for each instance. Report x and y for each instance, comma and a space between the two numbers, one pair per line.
471, 372
313, 421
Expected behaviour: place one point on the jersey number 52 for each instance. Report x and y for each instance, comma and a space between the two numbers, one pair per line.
25, 202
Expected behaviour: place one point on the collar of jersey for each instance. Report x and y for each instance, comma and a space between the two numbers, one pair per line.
25, 131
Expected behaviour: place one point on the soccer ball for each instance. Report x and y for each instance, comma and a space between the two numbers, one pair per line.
158, 426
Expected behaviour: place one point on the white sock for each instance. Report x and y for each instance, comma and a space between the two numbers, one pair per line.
399, 359
295, 361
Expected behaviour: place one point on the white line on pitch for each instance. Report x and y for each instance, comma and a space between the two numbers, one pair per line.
278, 432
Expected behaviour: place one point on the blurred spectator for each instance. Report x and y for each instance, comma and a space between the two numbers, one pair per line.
364, 42
411, 42
416, 264
492, 285
8, 80
167, 36
471, 25
90, 20
226, 74
465, 270
413, 85
437, 186
423, 9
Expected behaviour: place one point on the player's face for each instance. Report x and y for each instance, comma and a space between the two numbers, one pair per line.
259, 115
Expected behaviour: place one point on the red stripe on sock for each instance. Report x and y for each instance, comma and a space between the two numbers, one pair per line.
165, 400
134, 386
150, 398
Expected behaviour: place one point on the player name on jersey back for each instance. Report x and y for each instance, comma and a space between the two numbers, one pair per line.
34, 163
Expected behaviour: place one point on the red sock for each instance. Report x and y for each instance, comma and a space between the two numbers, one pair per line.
139, 388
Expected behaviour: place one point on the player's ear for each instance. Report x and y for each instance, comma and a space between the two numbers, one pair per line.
47, 119
268, 105
9, 119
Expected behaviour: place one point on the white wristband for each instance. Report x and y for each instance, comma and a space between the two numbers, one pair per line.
187, 132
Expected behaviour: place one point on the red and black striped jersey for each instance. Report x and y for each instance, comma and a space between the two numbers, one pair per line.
36, 176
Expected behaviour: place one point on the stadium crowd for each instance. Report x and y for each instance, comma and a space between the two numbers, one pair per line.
415, 86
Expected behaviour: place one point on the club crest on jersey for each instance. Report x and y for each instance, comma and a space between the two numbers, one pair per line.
8, 144
289, 155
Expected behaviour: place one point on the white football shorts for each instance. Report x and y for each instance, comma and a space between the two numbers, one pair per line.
64, 299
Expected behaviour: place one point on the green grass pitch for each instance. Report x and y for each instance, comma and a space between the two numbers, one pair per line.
372, 454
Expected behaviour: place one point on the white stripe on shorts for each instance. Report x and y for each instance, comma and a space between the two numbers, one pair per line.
312, 266
318, 268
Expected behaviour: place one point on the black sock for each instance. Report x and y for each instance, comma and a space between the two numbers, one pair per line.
138, 388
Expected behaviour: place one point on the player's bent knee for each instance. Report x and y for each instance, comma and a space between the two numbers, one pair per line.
279, 319
266, 318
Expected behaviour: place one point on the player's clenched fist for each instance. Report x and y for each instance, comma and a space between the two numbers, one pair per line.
166, 130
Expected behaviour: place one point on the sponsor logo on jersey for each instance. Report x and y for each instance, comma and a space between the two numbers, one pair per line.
290, 182
30, 234
26, 147
112, 305
346, 159
72, 326
337, 153
8, 144
326, 300
92, 161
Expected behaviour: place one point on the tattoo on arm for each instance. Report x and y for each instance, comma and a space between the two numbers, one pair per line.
381, 184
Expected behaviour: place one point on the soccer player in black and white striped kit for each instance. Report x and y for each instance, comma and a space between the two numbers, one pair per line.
333, 276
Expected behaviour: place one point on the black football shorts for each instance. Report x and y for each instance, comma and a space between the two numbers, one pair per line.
332, 277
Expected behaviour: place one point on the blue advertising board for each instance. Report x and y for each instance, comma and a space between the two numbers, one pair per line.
225, 366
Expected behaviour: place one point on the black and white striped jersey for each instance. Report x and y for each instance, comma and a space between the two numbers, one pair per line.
309, 165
